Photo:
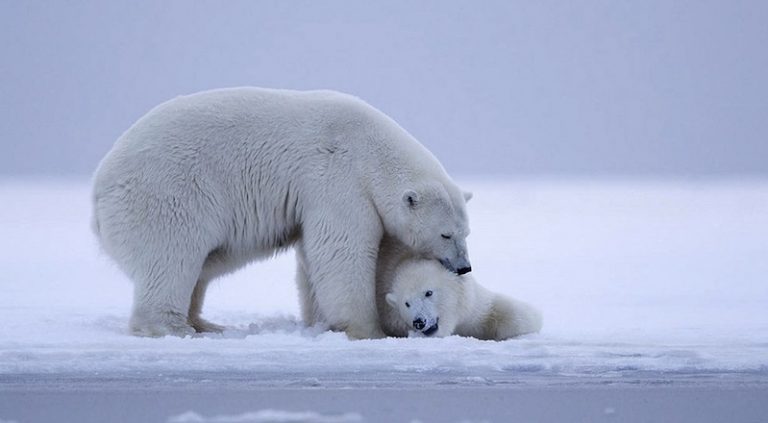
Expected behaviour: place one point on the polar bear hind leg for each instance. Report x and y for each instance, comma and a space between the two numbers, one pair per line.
196, 307
509, 318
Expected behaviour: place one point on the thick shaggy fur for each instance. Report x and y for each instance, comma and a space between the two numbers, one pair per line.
204, 184
449, 304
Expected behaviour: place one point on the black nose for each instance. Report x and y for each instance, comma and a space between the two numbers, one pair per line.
432, 329
464, 270
419, 324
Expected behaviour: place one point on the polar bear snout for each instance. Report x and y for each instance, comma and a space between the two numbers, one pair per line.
459, 266
463, 266
420, 324
430, 330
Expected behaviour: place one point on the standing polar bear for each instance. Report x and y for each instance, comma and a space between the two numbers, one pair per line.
205, 183
420, 298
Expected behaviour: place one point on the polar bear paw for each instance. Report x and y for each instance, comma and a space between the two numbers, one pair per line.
355, 333
160, 324
203, 326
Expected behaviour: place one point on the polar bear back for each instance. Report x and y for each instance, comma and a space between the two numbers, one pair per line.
211, 149
257, 121
229, 133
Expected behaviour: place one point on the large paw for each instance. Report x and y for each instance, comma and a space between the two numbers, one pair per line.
355, 333
158, 330
204, 326
160, 324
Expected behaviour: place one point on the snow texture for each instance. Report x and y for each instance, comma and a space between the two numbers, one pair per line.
268, 416
666, 279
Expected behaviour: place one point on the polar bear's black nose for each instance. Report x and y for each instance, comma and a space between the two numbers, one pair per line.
464, 270
419, 323
432, 329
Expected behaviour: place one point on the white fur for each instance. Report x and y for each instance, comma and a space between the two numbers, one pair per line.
205, 183
457, 304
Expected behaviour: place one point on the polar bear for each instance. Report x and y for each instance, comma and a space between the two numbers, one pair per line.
422, 299
206, 183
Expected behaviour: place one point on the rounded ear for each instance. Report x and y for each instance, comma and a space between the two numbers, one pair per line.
411, 198
467, 196
391, 299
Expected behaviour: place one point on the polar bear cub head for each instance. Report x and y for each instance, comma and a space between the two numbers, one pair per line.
433, 222
425, 297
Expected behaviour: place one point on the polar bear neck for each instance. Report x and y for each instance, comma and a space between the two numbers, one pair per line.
394, 159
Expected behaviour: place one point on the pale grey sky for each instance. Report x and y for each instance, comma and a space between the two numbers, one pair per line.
493, 87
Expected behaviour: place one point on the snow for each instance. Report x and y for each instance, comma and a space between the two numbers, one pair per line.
267, 416
637, 280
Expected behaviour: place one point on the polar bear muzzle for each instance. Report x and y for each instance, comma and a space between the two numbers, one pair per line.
420, 324
432, 329
461, 266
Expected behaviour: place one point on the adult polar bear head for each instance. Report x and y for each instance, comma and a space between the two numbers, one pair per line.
432, 221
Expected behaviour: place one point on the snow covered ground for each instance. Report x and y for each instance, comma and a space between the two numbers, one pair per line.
640, 282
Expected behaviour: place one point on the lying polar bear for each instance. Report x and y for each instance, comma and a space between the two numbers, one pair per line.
423, 299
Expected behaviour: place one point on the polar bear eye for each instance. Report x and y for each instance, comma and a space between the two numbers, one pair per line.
445, 236
428, 294
406, 304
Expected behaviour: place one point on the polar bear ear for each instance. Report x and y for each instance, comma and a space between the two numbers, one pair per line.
411, 198
467, 196
391, 299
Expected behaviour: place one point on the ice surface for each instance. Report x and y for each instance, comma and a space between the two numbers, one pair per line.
634, 278
267, 416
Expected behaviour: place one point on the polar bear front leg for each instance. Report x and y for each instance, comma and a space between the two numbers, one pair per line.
165, 277
161, 299
340, 269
